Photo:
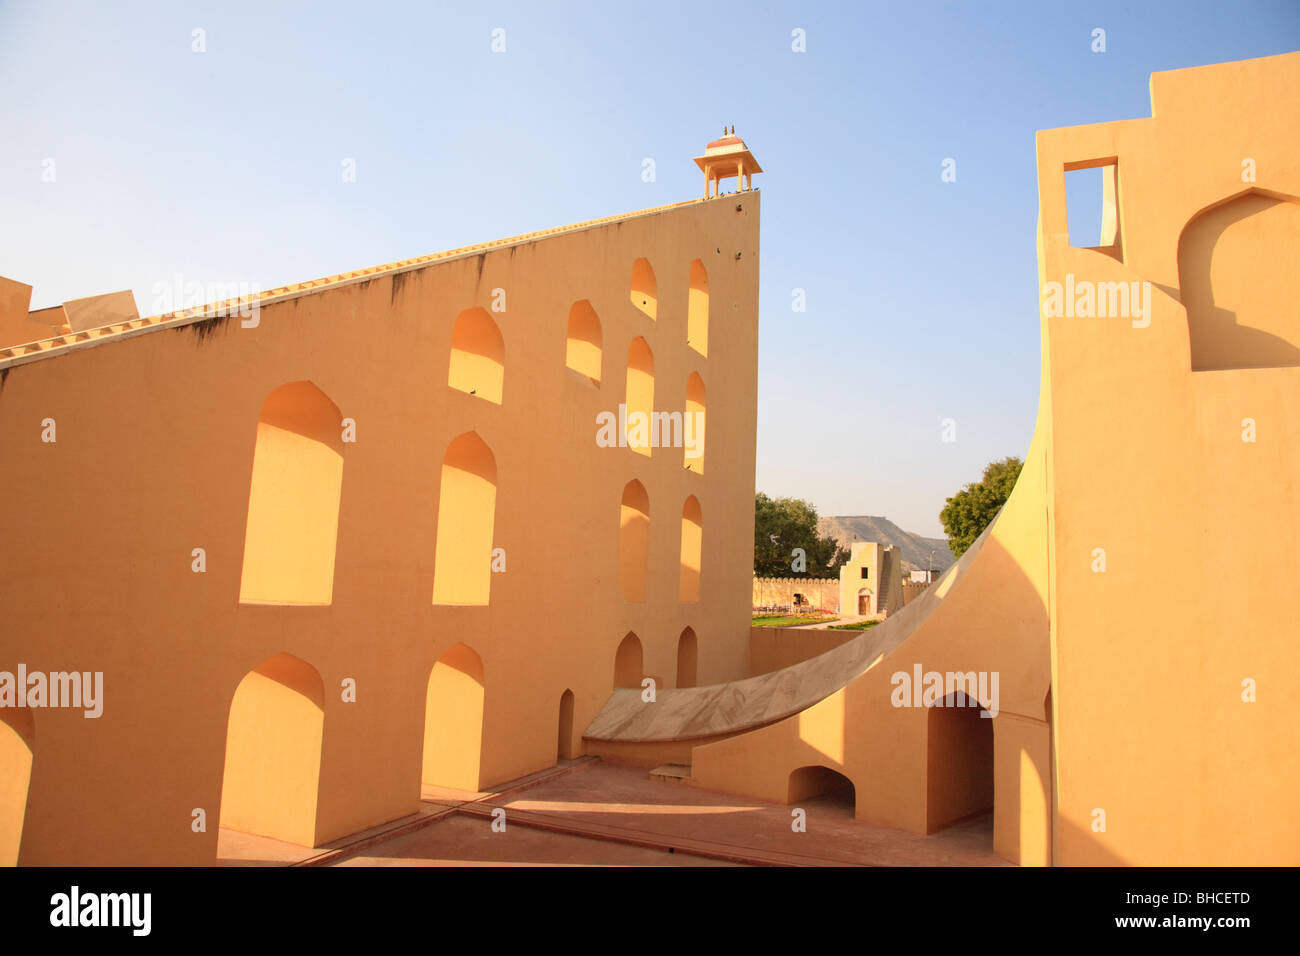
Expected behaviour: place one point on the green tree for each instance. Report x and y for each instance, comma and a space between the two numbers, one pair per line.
972, 509
783, 524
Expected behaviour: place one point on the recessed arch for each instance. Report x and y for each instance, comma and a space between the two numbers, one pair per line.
633, 541
453, 720
959, 760
478, 356
693, 425
628, 662
697, 309
1237, 283
687, 658
817, 782
274, 736
866, 602
564, 749
293, 500
17, 753
462, 569
583, 348
645, 289
688, 591
640, 399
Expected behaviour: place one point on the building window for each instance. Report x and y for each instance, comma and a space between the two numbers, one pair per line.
478, 356
864, 573
645, 290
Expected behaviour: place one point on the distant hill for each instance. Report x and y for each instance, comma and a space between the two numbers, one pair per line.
914, 549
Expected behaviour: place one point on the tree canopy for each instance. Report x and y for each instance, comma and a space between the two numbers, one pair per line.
970, 510
783, 524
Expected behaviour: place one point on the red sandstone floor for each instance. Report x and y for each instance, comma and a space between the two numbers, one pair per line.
588, 813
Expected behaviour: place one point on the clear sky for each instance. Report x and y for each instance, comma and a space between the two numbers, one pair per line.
226, 166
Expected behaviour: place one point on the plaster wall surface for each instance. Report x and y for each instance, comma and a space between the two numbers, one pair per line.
157, 426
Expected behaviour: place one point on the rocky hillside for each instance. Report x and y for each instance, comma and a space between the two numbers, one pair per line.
915, 550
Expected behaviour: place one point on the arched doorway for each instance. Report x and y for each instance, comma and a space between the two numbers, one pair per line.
864, 602
564, 749
627, 662
959, 761
829, 789
453, 721
686, 658
273, 746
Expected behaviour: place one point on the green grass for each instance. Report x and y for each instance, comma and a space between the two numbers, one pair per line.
790, 620
855, 626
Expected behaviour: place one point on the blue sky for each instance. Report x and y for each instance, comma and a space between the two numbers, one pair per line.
921, 295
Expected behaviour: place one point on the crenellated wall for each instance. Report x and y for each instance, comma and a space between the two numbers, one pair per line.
822, 593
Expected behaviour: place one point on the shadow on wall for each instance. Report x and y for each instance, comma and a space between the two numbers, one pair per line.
1242, 298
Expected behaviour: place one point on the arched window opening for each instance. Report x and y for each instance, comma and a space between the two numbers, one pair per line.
583, 350
693, 424
633, 541
453, 721
640, 396
478, 356
645, 290
293, 500
462, 570
628, 662
697, 309
273, 747
687, 652
692, 550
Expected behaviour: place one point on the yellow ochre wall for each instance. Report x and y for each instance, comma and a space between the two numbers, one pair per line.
155, 454
1148, 463
1142, 568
